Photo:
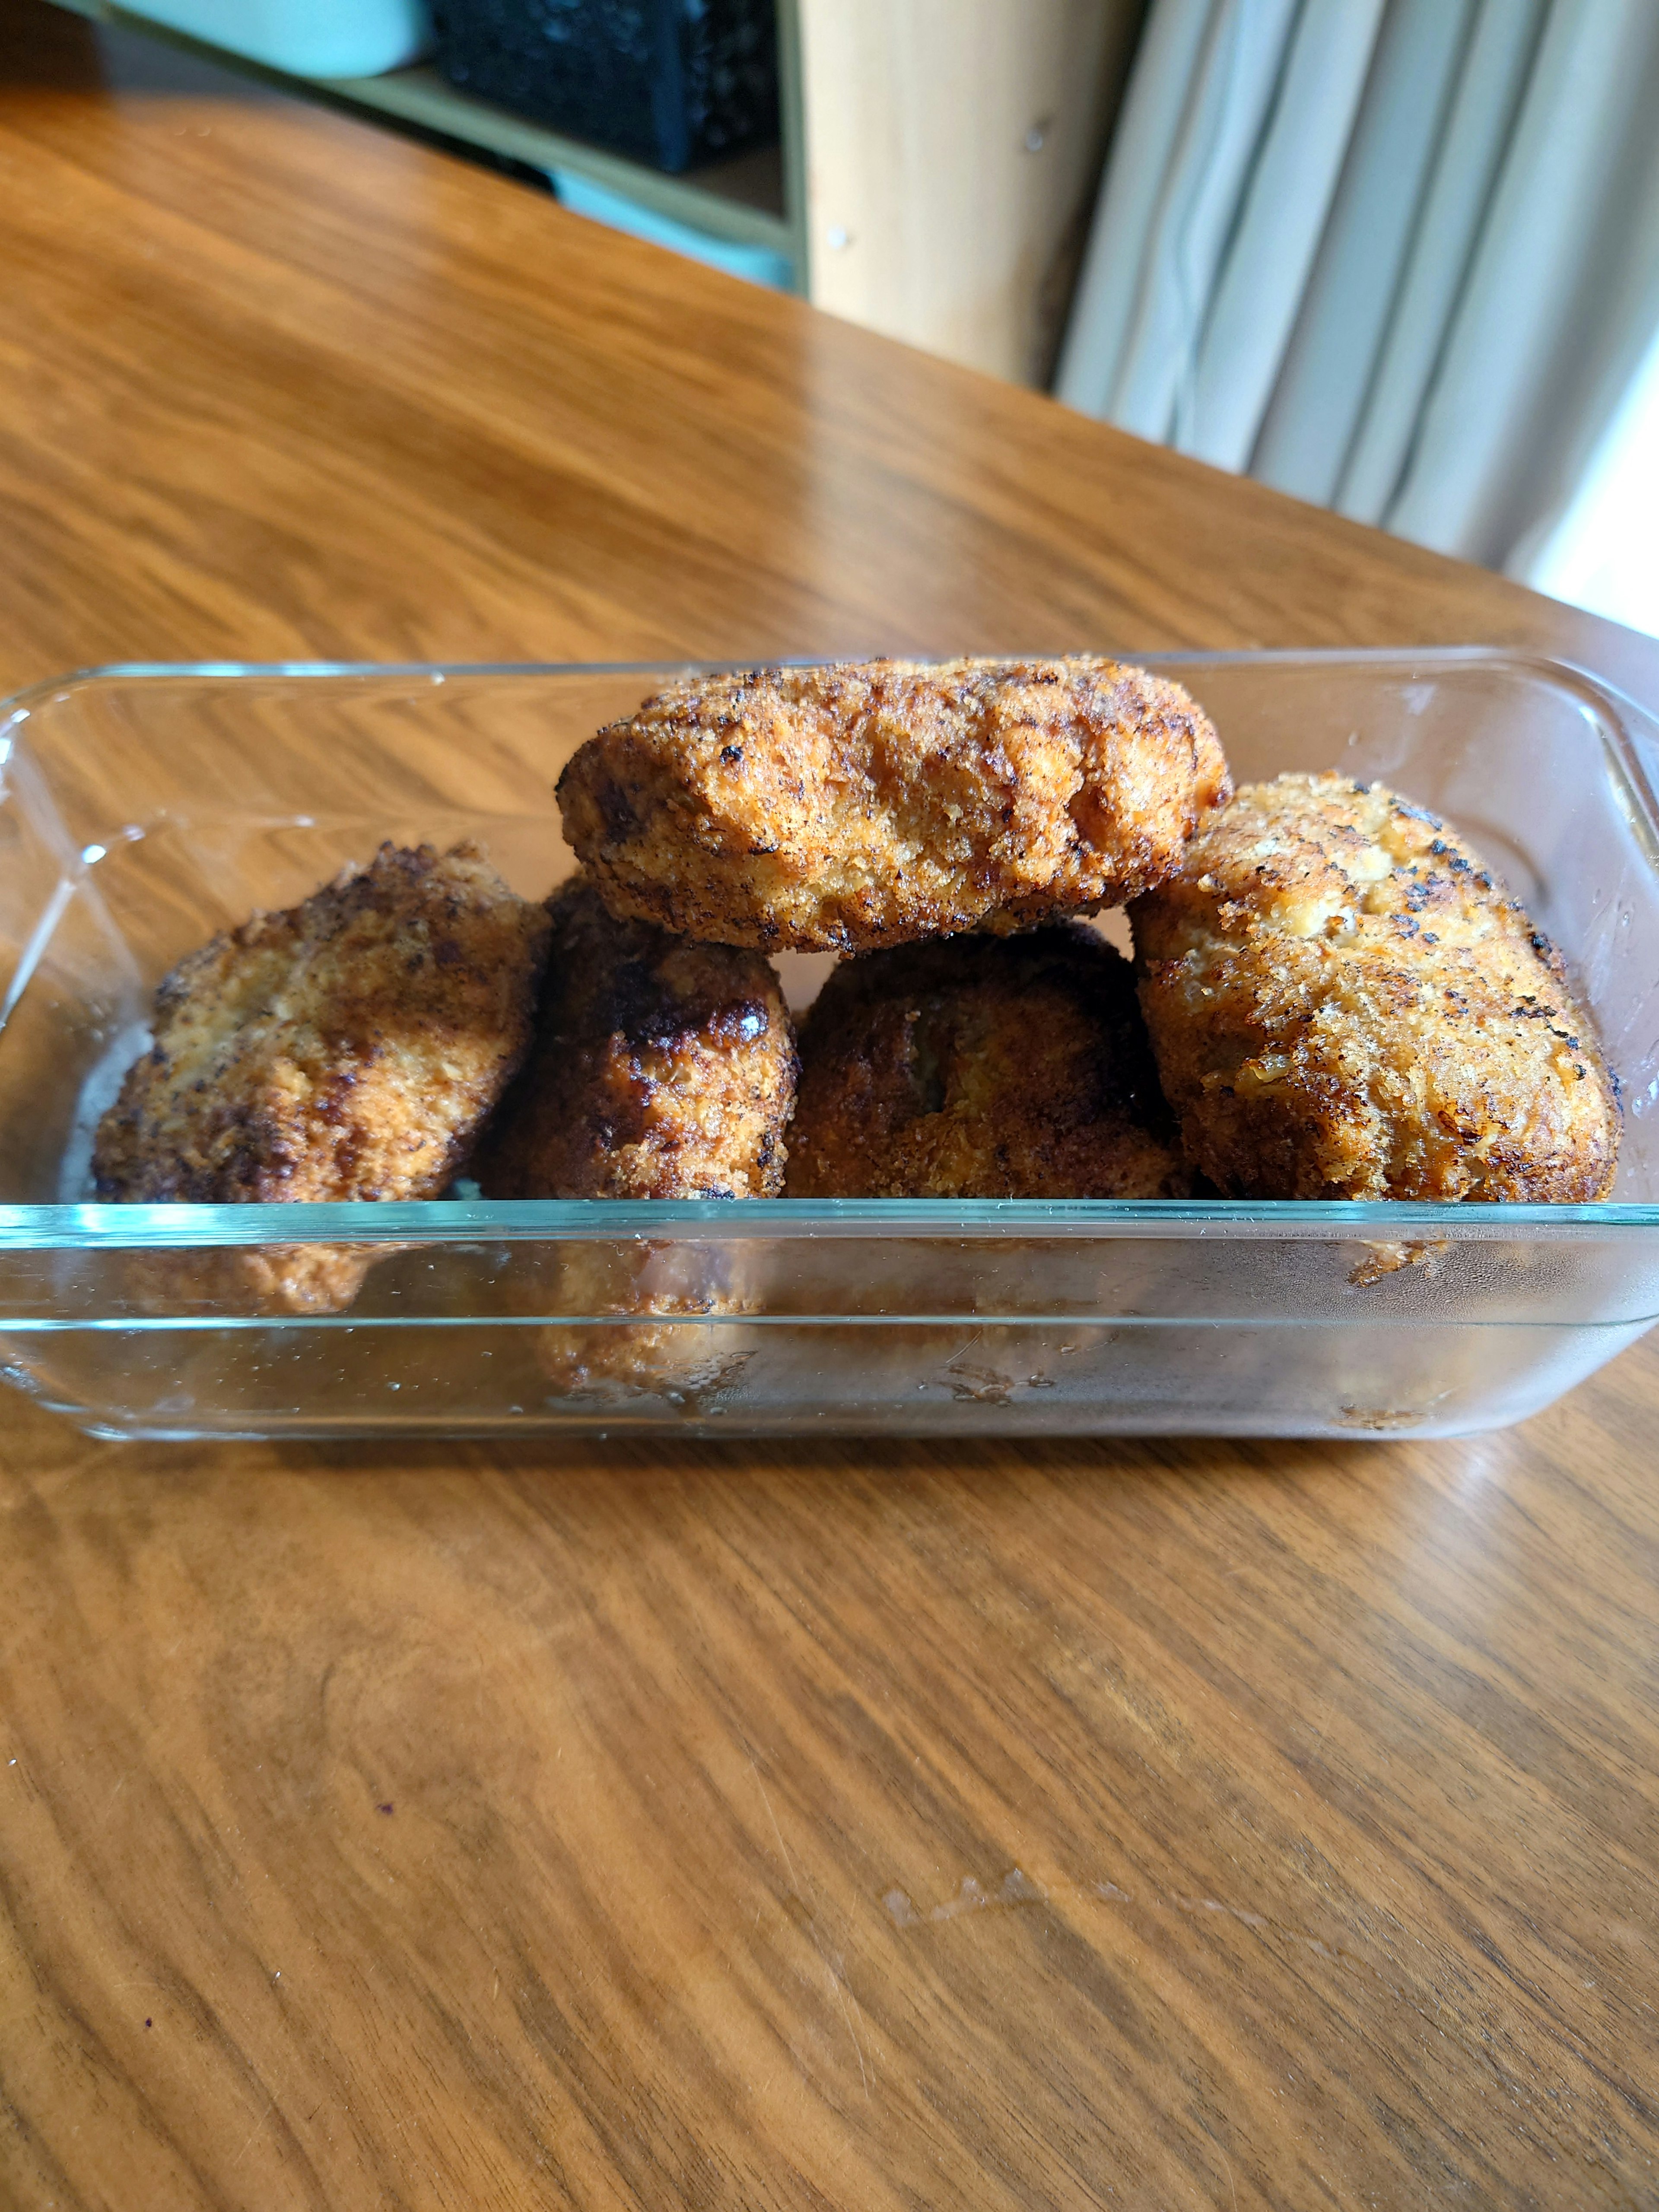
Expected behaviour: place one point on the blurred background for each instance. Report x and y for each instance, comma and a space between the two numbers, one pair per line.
1400, 257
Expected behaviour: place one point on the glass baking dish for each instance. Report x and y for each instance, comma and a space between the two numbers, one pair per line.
143, 808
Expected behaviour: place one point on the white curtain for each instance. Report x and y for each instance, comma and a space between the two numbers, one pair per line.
1603, 553
1399, 256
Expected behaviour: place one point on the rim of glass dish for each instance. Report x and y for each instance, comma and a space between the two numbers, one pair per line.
445, 1221
1204, 656
18, 706
729, 1221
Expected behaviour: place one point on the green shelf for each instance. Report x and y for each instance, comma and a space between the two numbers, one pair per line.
742, 202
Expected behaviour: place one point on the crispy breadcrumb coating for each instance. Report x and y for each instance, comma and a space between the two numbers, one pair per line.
1345, 1003
672, 1334
347, 1048
253, 1279
661, 1068
857, 807
982, 1067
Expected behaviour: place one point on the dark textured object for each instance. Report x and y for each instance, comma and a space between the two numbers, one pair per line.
982, 1067
660, 1068
670, 82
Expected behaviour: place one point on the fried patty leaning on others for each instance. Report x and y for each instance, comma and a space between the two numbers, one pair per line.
1346, 1004
853, 807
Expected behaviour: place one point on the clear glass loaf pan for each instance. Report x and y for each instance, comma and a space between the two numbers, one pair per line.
142, 809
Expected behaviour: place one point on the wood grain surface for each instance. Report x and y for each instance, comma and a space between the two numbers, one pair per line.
631, 1825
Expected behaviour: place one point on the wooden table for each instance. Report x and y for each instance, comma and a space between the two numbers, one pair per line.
847, 1824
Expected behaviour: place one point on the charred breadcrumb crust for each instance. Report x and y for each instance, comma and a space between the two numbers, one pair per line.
662, 1068
861, 806
1345, 1003
351, 1048
982, 1067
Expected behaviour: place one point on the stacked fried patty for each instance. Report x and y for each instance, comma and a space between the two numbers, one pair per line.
849, 807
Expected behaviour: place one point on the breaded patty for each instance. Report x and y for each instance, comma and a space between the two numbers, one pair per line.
661, 1068
982, 1067
347, 1048
1345, 1003
858, 806
271, 1278
663, 1326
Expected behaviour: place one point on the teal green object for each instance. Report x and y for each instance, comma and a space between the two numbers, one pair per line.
758, 264
310, 38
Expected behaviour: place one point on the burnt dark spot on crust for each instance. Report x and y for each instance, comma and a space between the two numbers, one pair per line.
615, 810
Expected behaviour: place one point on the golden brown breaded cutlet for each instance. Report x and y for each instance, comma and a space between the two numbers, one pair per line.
661, 1068
252, 1279
664, 1320
982, 1067
864, 805
347, 1048
1345, 1003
